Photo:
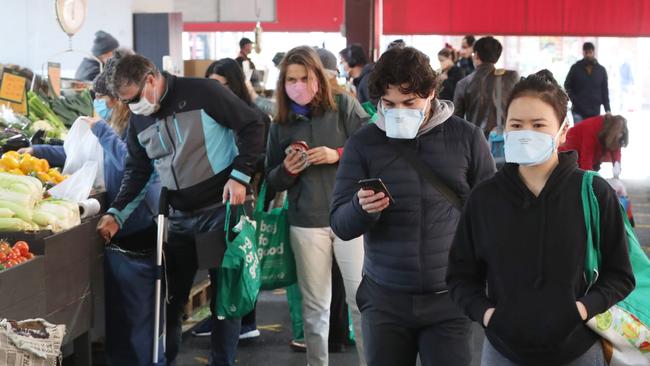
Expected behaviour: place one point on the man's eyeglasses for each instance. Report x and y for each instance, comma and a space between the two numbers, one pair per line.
138, 96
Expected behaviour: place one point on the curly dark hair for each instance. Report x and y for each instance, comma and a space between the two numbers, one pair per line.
542, 85
408, 68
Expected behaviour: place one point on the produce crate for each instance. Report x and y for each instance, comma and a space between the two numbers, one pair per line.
22, 290
69, 257
76, 315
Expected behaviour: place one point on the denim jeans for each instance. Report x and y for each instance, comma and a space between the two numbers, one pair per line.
181, 266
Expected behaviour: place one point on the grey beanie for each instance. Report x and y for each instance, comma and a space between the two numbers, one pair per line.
103, 82
328, 59
103, 43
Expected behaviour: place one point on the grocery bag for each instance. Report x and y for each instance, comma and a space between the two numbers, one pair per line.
81, 146
626, 325
32, 342
277, 264
239, 274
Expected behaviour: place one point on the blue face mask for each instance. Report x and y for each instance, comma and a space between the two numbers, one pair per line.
529, 148
102, 109
404, 123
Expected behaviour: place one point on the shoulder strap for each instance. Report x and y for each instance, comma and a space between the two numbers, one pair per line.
428, 174
591, 211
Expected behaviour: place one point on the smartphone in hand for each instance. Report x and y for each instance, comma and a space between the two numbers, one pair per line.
376, 185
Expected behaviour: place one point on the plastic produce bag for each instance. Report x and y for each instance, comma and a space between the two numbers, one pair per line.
78, 186
82, 146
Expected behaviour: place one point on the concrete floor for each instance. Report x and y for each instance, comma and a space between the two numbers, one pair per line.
272, 347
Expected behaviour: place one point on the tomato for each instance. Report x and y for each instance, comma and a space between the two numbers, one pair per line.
3, 257
28, 256
4, 247
22, 246
17, 252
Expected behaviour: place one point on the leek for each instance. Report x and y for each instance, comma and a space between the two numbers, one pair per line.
6, 213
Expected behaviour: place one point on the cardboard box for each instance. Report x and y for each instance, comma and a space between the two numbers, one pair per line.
196, 68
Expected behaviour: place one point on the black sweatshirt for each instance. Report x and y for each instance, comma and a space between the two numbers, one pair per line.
531, 252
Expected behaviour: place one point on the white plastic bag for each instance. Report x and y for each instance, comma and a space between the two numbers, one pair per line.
78, 186
82, 146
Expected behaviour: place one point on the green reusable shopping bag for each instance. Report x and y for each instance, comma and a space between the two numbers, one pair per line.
239, 274
625, 325
278, 266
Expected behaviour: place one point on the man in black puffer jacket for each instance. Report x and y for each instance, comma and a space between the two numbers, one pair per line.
403, 297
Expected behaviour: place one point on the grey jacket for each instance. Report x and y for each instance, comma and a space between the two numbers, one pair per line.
310, 192
475, 95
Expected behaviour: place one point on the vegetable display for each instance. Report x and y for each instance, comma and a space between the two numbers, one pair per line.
13, 256
25, 164
22, 207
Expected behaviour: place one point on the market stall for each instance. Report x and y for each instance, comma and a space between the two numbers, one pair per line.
51, 257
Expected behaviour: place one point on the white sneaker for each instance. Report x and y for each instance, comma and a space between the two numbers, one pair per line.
250, 334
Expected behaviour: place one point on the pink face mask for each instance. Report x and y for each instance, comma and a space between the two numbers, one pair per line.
302, 93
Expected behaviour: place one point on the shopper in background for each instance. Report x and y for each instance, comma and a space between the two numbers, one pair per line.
587, 85
305, 145
475, 95
520, 273
245, 49
465, 61
124, 321
103, 48
357, 67
598, 139
189, 117
449, 74
403, 298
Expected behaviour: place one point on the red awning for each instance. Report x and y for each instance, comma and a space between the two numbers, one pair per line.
519, 17
623, 18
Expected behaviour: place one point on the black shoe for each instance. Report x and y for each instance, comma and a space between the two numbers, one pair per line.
298, 346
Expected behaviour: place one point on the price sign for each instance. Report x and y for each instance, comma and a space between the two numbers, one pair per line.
12, 88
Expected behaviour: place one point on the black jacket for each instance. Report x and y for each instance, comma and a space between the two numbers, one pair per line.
587, 91
407, 245
87, 70
475, 95
454, 75
361, 83
466, 65
531, 252
202, 136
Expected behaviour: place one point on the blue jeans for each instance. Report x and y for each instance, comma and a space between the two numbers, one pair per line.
181, 266
593, 357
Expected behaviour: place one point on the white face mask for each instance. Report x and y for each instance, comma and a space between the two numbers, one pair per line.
143, 106
404, 123
530, 148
